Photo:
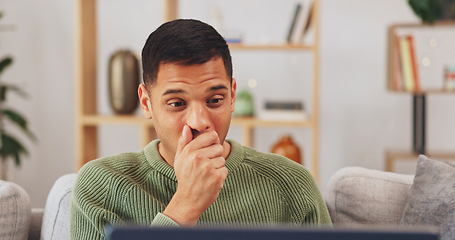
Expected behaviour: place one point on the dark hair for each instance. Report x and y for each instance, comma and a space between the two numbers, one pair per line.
186, 42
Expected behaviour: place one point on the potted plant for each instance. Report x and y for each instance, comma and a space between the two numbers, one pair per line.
10, 146
430, 11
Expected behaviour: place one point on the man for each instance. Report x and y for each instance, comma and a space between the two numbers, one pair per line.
191, 175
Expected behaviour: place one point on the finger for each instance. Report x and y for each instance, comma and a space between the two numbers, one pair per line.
184, 139
204, 140
223, 172
212, 151
218, 162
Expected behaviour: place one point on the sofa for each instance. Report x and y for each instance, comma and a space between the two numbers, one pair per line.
18, 221
355, 196
360, 196
370, 198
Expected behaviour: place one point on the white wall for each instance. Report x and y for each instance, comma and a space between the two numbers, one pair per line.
359, 117
43, 48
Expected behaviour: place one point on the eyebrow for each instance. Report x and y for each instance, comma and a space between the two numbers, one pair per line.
218, 87
173, 91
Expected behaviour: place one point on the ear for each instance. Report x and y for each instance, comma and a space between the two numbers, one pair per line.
144, 100
233, 90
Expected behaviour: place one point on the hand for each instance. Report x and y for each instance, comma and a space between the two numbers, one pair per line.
200, 171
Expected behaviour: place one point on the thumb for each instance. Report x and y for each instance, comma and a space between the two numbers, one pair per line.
184, 139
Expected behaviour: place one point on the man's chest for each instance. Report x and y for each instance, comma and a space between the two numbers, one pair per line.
249, 202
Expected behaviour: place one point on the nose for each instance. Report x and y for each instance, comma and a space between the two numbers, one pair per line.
198, 119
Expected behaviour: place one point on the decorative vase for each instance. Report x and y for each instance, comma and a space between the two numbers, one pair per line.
287, 148
123, 82
244, 106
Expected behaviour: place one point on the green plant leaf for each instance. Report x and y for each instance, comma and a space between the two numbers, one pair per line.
4, 89
16, 118
5, 62
17, 159
427, 10
12, 148
20, 121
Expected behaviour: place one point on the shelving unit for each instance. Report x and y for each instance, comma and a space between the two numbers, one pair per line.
393, 155
419, 103
88, 120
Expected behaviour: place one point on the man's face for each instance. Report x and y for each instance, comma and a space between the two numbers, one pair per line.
200, 96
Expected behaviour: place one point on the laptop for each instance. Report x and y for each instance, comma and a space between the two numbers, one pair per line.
142, 233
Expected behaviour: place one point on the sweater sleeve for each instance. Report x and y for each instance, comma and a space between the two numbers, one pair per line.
312, 208
98, 201
162, 220
318, 212
301, 192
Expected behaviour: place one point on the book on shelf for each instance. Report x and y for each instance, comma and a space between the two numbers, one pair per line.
449, 78
407, 77
414, 62
406, 65
283, 105
308, 18
300, 22
431, 49
298, 7
398, 81
283, 111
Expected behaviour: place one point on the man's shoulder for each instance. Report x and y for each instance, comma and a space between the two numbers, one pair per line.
290, 178
275, 166
114, 166
270, 159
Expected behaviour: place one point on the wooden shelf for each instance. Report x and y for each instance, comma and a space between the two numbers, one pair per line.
419, 117
240, 46
251, 121
392, 156
394, 63
98, 120
425, 91
442, 23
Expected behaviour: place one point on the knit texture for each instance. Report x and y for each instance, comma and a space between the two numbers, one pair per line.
134, 188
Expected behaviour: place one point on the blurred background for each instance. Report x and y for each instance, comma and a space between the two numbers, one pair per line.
359, 118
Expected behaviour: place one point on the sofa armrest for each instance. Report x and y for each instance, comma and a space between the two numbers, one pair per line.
15, 211
56, 222
34, 231
360, 196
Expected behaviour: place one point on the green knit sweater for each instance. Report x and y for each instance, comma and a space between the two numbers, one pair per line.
260, 188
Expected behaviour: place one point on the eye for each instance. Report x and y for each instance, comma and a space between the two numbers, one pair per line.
176, 103
215, 102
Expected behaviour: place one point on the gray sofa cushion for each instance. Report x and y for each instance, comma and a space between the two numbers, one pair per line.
56, 222
432, 198
15, 211
360, 196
